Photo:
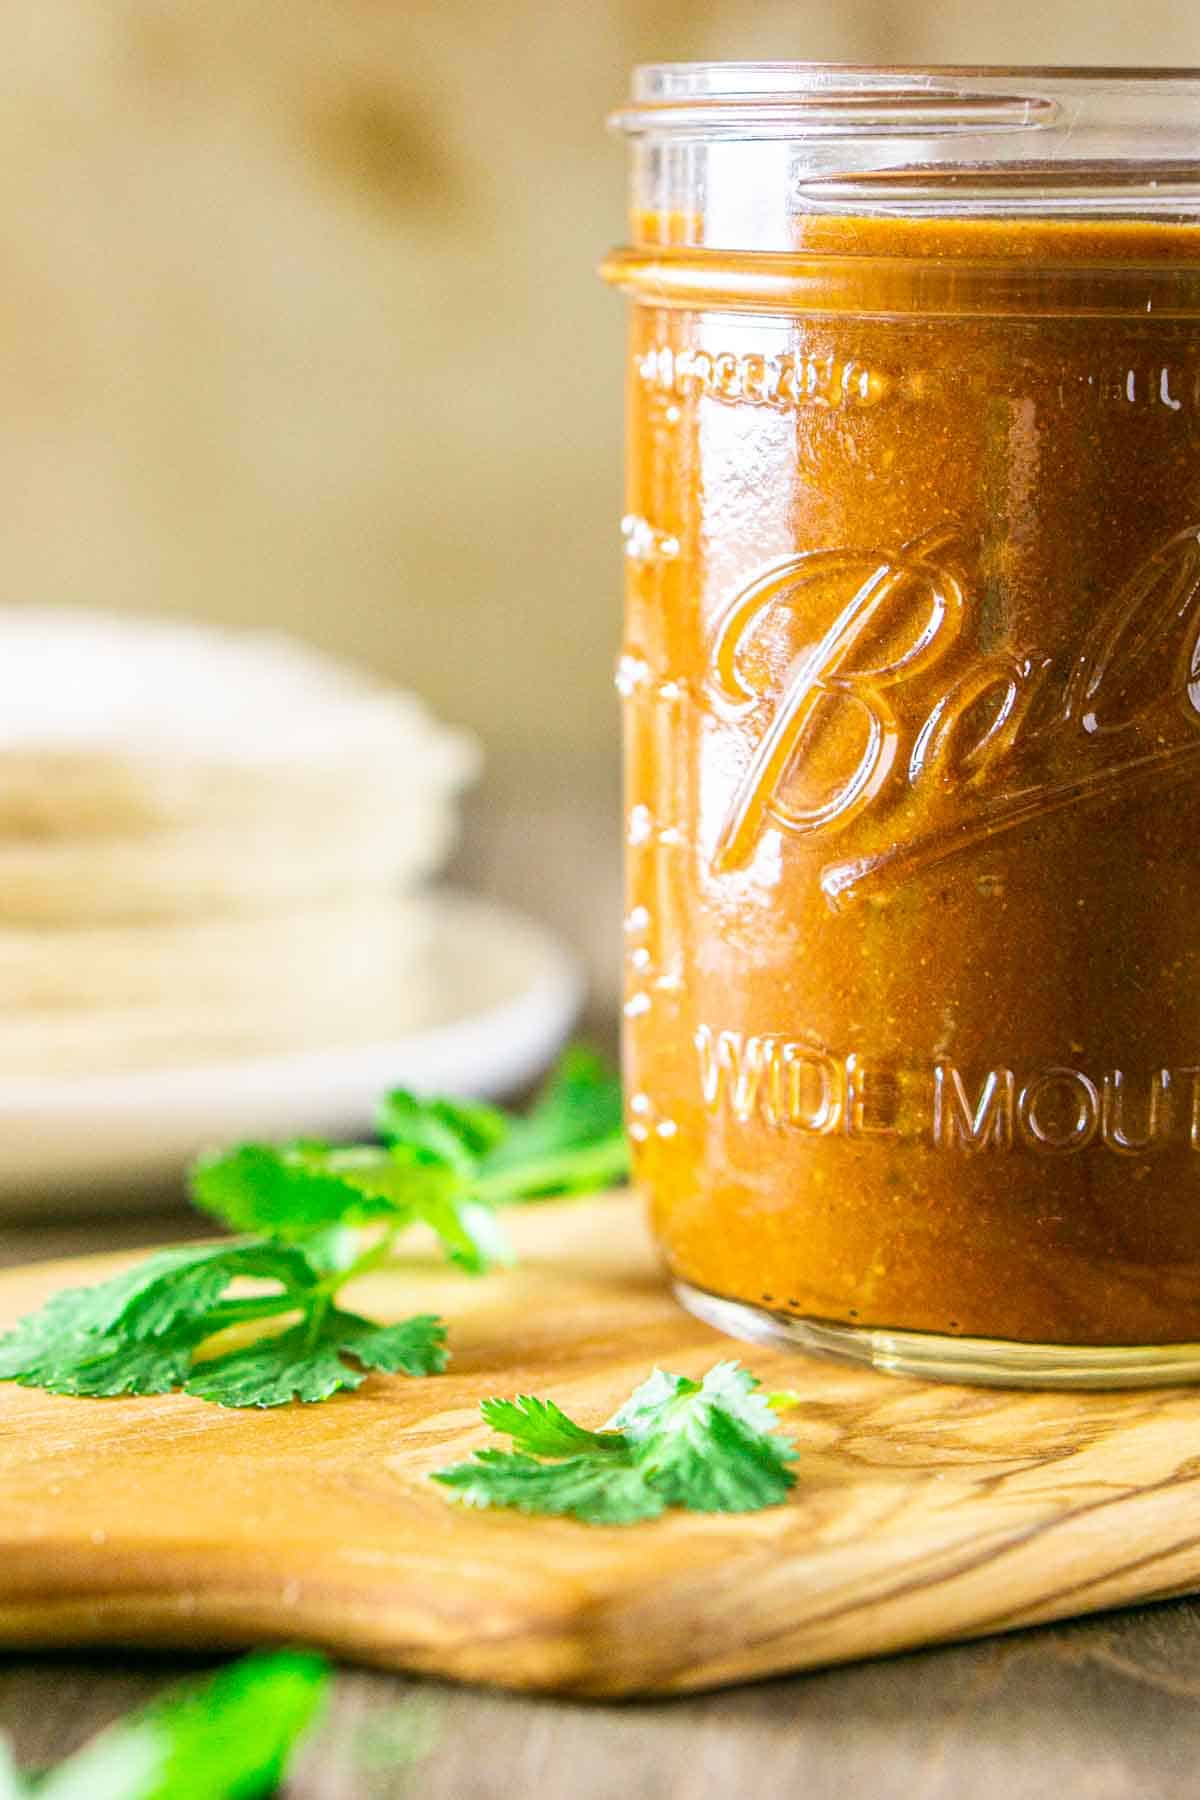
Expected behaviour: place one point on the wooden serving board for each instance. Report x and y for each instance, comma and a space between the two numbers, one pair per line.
922, 1513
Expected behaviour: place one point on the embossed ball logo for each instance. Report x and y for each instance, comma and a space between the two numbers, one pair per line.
889, 698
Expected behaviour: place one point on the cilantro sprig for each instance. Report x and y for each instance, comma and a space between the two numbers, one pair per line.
706, 1446
447, 1164
315, 1217
142, 1332
229, 1737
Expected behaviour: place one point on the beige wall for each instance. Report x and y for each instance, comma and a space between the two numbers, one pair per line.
298, 325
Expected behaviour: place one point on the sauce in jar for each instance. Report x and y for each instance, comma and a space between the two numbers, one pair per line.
912, 683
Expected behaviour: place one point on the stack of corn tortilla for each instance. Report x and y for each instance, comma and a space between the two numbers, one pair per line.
211, 843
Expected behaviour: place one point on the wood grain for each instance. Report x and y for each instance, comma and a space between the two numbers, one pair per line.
922, 1513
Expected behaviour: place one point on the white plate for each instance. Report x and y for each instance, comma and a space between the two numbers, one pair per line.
496, 998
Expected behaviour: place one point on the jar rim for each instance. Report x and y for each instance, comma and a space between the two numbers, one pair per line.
792, 71
803, 99
946, 140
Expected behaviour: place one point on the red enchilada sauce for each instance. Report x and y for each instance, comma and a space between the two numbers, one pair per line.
912, 684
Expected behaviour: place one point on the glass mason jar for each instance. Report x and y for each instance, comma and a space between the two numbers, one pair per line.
912, 689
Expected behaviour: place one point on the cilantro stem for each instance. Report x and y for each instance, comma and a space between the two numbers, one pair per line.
317, 1316
244, 1312
319, 1301
371, 1258
582, 1168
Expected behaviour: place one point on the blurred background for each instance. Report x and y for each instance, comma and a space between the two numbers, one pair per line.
299, 328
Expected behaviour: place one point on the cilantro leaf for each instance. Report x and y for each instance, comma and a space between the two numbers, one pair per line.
571, 1141
444, 1140
102, 1367
727, 1385
712, 1444
170, 1287
471, 1235
706, 1446
709, 1460
229, 1737
288, 1365
307, 1365
301, 1190
645, 1405
597, 1492
543, 1429
139, 1333
290, 1191
449, 1132
580, 1103
478, 1126
416, 1346
135, 1333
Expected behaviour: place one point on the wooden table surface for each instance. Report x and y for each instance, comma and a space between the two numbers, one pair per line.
1099, 1710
